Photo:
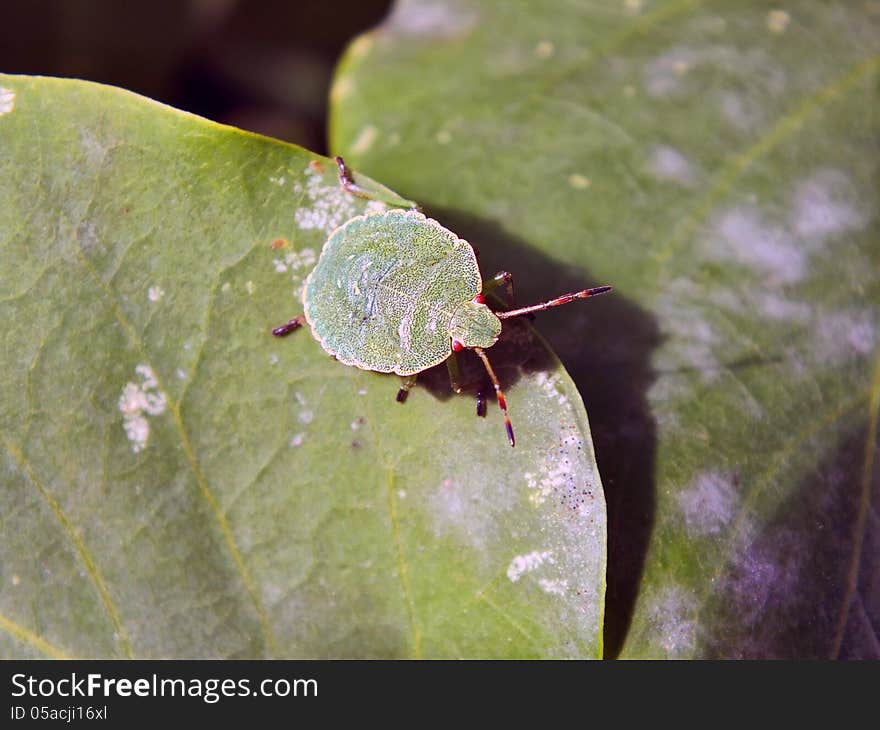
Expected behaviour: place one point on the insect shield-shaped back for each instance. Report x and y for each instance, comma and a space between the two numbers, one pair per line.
385, 289
398, 292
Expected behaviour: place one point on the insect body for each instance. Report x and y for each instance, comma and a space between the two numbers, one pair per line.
397, 292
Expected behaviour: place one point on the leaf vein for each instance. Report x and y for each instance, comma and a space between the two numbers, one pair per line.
79, 545
26, 636
192, 460
739, 164
402, 569
852, 578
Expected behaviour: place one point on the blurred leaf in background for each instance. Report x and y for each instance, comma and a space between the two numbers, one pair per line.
716, 163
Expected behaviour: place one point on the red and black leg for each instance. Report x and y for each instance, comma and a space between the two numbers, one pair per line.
346, 179
490, 287
405, 386
286, 329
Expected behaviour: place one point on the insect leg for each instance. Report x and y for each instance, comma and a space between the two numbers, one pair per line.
455, 383
346, 180
406, 384
454, 372
481, 403
286, 329
502, 278
498, 393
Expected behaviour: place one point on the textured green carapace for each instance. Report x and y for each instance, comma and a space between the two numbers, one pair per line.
392, 290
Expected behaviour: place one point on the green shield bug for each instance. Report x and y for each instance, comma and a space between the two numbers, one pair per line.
396, 292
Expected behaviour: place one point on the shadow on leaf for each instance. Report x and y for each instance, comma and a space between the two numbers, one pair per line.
786, 593
606, 345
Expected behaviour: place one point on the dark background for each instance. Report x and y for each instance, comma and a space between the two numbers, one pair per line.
261, 65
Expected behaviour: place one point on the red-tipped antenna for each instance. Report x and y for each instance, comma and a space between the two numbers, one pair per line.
501, 401
558, 302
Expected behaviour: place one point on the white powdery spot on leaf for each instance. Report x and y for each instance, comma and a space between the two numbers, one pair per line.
528, 563
7, 100
87, 236
727, 300
822, 206
553, 480
558, 479
777, 307
461, 508
439, 19
306, 415
375, 206
840, 335
559, 485
295, 262
551, 386
139, 400
325, 206
709, 503
662, 76
672, 620
742, 113
668, 164
766, 573
741, 235
667, 74
155, 293
553, 551
553, 586
691, 338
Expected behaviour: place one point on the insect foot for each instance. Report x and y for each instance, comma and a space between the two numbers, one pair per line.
286, 329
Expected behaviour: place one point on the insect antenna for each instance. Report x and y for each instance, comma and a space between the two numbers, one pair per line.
501, 401
558, 302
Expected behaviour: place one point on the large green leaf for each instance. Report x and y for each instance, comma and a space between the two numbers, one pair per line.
716, 162
175, 482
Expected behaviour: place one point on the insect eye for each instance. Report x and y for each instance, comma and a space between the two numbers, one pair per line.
479, 299
457, 346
